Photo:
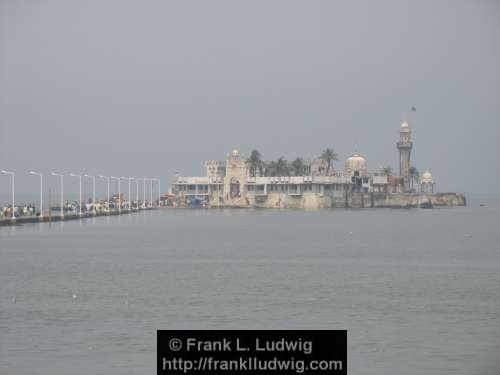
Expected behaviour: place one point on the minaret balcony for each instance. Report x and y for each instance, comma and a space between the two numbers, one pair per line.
404, 144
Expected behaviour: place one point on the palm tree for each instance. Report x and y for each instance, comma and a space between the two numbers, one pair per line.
307, 167
327, 156
254, 162
282, 167
387, 171
414, 175
270, 169
298, 167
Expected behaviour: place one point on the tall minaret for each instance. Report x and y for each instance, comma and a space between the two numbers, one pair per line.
404, 146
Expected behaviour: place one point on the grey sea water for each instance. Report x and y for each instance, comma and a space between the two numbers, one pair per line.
417, 290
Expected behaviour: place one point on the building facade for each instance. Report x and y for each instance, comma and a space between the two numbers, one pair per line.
231, 182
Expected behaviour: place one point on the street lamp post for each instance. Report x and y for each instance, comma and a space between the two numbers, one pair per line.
123, 178
119, 194
159, 190
80, 177
12, 174
107, 178
93, 191
137, 193
41, 190
129, 196
151, 191
62, 192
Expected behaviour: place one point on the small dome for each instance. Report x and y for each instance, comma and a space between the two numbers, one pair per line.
356, 163
404, 125
235, 152
426, 177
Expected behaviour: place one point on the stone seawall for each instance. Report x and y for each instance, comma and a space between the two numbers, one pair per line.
420, 200
348, 200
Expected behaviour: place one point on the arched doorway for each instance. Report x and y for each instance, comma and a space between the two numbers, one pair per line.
235, 187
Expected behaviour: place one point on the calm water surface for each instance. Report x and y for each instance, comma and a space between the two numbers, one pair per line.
417, 290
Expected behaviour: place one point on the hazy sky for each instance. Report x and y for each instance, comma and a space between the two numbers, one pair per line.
145, 88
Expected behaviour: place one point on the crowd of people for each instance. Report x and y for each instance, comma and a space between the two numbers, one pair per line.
19, 211
73, 207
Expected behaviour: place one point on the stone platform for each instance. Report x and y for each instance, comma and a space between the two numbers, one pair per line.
347, 200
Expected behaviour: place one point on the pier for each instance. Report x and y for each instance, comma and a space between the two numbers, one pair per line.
4, 221
112, 204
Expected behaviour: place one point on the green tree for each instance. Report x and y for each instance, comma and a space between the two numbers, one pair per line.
282, 167
270, 169
387, 171
307, 167
327, 157
254, 162
414, 175
298, 167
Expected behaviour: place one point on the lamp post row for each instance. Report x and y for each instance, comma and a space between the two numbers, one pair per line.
13, 198
108, 178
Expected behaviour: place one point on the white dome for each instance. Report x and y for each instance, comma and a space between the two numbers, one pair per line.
236, 152
426, 177
404, 124
356, 163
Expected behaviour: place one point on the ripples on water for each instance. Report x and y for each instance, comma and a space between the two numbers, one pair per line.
418, 290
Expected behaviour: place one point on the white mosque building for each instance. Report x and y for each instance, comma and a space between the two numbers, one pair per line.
230, 182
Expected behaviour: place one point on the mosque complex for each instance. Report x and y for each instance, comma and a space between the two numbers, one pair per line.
234, 183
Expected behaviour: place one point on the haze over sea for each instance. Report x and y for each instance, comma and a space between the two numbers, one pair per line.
417, 290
